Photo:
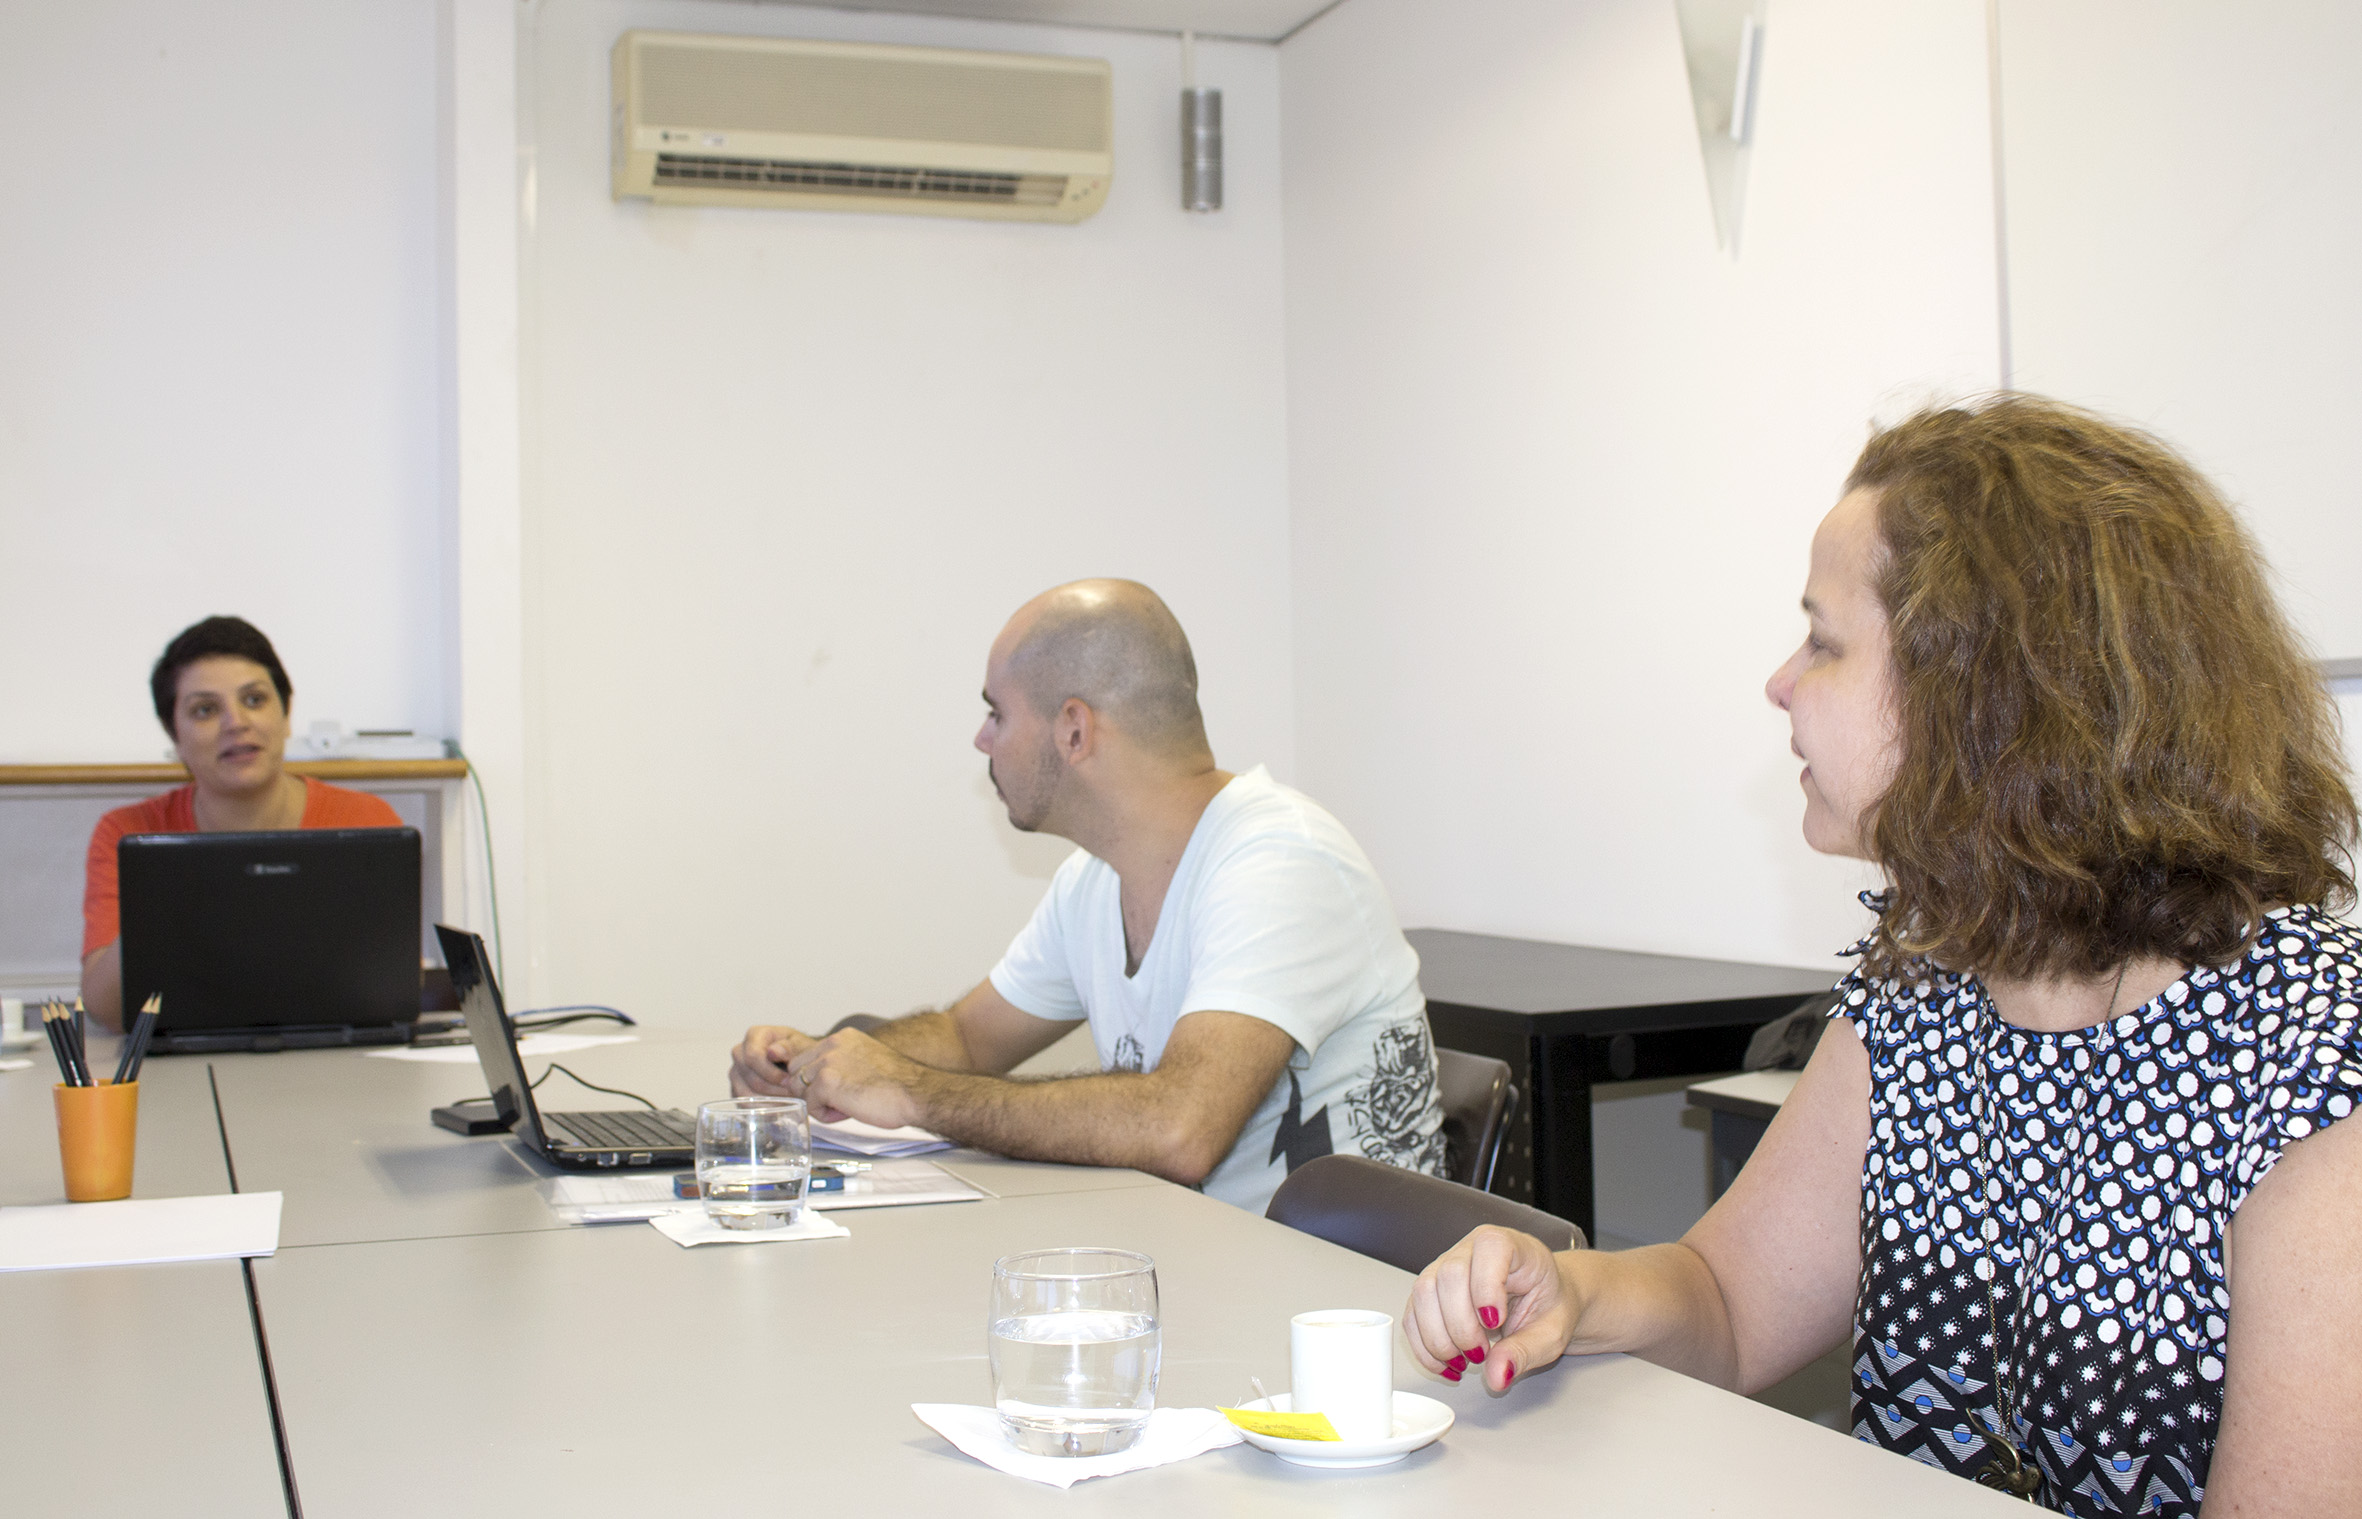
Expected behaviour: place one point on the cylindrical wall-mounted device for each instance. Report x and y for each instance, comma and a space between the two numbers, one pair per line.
1201, 150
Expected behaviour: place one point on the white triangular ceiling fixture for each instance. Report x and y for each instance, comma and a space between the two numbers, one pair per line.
1723, 43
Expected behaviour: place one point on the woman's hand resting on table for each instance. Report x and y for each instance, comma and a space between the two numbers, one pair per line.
1496, 1300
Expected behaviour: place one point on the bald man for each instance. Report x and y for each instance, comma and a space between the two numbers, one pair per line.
1253, 1002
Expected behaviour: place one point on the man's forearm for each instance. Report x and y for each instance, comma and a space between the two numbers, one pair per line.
1112, 1119
930, 1038
1178, 1121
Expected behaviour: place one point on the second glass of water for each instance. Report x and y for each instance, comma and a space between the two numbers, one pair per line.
754, 1156
1075, 1349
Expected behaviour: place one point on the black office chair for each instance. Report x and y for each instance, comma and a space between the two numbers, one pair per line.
1397, 1216
867, 1023
1479, 1102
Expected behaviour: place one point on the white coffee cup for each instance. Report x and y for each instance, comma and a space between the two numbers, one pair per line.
1341, 1363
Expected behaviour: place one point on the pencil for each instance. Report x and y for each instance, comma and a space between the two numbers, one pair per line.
53, 1023
76, 1045
135, 1046
65, 1035
49, 1031
135, 1039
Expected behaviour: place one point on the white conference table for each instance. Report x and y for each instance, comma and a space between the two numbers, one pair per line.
441, 1344
125, 1381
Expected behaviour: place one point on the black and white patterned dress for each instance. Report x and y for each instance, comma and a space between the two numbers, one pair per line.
2124, 1150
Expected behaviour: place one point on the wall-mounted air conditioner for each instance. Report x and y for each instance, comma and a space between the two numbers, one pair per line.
760, 121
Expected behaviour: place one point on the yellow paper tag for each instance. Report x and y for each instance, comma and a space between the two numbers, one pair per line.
1281, 1426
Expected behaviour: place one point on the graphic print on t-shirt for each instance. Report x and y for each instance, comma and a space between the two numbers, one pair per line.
1298, 1138
1129, 1056
1385, 1112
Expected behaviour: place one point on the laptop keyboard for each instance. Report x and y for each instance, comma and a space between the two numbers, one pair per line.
627, 1130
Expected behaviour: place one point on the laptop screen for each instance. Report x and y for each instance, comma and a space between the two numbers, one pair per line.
313, 927
488, 1027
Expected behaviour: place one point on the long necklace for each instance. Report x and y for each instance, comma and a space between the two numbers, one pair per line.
2011, 1468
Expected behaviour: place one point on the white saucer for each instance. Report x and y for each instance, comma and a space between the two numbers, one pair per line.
1418, 1422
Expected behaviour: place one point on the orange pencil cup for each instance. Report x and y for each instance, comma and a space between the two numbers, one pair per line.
96, 1130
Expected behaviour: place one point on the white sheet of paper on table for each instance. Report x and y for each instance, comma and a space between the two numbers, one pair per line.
894, 1183
528, 1046
139, 1232
612, 1199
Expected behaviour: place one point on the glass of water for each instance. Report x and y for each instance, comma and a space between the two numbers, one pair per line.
754, 1156
1075, 1348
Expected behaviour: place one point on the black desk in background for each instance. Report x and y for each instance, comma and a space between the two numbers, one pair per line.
1566, 1017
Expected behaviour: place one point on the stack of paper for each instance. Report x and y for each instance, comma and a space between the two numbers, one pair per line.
853, 1137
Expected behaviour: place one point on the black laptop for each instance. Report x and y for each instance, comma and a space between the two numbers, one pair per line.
577, 1141
266, 941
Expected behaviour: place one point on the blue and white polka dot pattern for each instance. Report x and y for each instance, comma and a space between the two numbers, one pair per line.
2123, 1152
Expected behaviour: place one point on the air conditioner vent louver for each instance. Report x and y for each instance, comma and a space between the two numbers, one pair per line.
865, 179
761, 121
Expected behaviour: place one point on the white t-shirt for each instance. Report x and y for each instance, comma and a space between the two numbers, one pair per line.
1273, 912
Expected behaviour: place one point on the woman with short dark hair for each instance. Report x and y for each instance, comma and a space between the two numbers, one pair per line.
225, 698
2071, 1168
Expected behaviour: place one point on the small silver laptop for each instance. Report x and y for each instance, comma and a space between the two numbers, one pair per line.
578, 1141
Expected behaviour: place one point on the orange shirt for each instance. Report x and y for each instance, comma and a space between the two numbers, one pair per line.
324, 806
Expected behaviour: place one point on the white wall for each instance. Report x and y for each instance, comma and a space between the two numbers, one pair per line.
2349, 704
2183, 225
1555, 460
219, 374
788, 473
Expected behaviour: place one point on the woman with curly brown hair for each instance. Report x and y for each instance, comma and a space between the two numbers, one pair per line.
2070, 1165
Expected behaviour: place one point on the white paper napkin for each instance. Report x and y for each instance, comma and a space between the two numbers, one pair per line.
690, 1226
1172, 1434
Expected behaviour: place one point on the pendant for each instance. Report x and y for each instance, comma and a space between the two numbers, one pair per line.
2009, 1471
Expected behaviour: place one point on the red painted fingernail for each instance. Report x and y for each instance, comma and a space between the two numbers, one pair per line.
1491, 1317
1476, 1355
1456, 1365
1450, 1375
1508, 1373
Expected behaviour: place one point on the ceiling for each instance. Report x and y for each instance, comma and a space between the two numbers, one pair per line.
1253, 20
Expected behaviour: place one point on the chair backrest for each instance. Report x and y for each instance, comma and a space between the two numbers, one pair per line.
1397, 1216
1786, 1043
1479, 1100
